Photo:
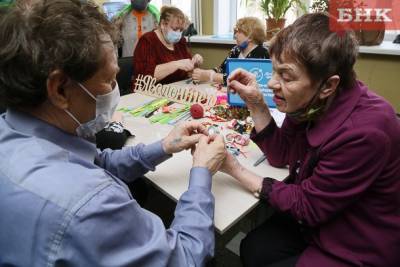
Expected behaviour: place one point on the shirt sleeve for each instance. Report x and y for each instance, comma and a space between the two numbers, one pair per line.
130, 163
144, 58
111, 229
233, 53
184, 49
346, 169
277, 142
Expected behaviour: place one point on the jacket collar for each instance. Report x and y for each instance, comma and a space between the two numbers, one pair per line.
340, 109
31, 126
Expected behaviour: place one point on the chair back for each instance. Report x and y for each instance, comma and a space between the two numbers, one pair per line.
124, 77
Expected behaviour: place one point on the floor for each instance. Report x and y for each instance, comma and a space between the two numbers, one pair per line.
227, 245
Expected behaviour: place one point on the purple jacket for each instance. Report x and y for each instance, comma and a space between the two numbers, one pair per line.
344, 185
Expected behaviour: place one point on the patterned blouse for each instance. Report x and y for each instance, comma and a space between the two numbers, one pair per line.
259, 52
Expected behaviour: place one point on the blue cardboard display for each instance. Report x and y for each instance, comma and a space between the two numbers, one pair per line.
262, 68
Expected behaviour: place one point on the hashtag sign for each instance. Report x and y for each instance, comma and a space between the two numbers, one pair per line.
139, 83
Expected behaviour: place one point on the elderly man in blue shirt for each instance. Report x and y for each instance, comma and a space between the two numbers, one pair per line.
62, 202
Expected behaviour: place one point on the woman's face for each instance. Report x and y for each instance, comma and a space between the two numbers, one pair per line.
291, 85
239, 36
174, 24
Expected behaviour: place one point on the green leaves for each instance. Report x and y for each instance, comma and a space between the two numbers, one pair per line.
277, 8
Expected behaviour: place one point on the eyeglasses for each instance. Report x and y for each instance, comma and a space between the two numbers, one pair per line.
235, 30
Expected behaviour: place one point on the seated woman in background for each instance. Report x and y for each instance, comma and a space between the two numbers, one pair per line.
163, 53
249, 34
340, 204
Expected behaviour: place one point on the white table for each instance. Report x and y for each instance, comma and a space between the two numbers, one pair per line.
232, 201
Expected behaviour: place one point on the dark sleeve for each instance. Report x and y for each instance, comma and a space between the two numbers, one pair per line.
347, 168
184, 50
276, 142
234, 53
144, 57
259, 52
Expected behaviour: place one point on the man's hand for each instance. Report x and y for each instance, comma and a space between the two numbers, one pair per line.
210, 153
183, 136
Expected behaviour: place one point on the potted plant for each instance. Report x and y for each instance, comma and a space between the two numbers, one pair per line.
275, 11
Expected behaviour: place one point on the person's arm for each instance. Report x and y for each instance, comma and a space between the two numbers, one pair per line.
145, 57
112, 229
244, 83
347, 167
146, 61
248, 179
221, 70
277, 142
343, 174
273, 141
185, 63
207, 76
130, 163
163, 70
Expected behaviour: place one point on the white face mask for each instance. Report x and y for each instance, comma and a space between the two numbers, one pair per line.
105, 106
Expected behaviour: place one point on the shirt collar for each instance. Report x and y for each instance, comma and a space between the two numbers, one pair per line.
336, 114
32, 126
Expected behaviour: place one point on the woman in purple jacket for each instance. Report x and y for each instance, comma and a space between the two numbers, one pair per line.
340, 205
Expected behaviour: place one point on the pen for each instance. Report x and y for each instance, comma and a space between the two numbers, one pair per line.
261, 159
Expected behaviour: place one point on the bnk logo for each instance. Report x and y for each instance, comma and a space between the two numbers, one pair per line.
364, 14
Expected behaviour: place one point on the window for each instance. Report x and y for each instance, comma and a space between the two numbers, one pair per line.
238, 9
225, 13
184, 5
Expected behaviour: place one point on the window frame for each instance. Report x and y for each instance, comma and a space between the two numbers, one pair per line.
193, 11
233, 14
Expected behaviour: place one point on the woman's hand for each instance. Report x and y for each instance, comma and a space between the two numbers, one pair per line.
185, 64
202, 75
231, 165
244, 83
197, 60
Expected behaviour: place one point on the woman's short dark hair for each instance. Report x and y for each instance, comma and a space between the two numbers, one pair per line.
310, 42
44, 36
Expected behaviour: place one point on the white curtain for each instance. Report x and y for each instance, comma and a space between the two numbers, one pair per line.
196, 15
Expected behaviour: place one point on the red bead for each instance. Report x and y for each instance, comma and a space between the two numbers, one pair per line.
197, 111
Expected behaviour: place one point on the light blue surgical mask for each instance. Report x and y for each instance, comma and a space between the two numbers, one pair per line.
243, 45
173, 37
105, 108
